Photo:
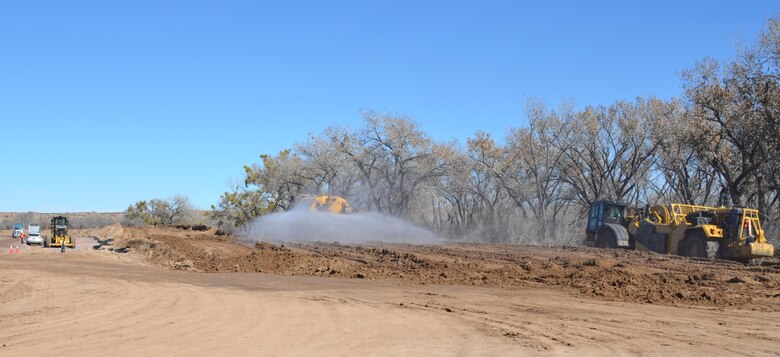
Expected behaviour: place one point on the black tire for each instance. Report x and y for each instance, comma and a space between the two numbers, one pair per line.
696, 245
713, 249
606, 239
752, 262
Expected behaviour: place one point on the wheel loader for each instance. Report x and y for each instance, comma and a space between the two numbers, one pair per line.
734, 233
59, 234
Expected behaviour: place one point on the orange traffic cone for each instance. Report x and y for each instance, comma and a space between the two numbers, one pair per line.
11, 250
18, 250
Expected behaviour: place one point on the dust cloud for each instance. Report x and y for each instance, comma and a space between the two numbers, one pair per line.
302, 225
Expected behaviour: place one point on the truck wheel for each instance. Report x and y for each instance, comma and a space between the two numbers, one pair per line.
696, 245
713, 249
606, 239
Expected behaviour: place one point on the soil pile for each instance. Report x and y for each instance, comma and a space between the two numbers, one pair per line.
607, 274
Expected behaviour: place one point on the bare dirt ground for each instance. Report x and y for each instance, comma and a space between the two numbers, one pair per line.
155, 291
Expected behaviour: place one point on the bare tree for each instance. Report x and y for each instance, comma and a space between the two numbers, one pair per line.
170, 211
684, 177
394, 158
610, 153
327, 167
531, 168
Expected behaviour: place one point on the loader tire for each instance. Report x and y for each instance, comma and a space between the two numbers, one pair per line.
606, 239
696, 245
713, 249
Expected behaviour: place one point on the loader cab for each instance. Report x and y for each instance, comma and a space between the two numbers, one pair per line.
605, 212
59, 226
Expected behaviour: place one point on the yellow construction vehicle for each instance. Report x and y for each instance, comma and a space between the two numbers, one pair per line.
59, 234
700, 231
324, 203
695, 231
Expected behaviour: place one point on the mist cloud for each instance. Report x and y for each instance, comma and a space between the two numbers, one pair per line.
302, 225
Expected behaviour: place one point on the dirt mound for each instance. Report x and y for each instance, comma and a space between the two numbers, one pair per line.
606, 274
169, 247
113, 231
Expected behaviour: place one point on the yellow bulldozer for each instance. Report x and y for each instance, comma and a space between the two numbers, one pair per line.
325, 203
59, 234
734, 233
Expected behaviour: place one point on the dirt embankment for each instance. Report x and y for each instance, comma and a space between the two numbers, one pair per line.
607, 274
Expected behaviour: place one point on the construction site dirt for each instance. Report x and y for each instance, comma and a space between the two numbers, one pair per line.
162, 291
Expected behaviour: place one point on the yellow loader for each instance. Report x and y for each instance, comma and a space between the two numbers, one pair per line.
734, 233
699, 231
59, 234
325, 203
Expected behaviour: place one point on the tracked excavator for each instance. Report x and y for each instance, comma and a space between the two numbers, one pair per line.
734, 233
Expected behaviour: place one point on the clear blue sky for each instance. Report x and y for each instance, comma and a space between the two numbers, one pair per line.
103, 103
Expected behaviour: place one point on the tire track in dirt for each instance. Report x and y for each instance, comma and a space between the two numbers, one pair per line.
125, 310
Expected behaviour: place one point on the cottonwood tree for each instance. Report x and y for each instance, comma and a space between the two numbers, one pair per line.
170, 211
452, 206
239, 206
394, 158
684, 176
327, 168
737, 118
531, 168
470, 196
492, 202
470, 199
279, 180
610, 153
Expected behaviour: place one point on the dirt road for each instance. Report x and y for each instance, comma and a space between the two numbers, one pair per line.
100, 303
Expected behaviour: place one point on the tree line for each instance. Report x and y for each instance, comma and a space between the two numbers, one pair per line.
76, 220
720, 139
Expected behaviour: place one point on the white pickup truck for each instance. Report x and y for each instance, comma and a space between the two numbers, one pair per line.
34, 234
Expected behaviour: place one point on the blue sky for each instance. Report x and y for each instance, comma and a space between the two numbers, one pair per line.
103, 103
